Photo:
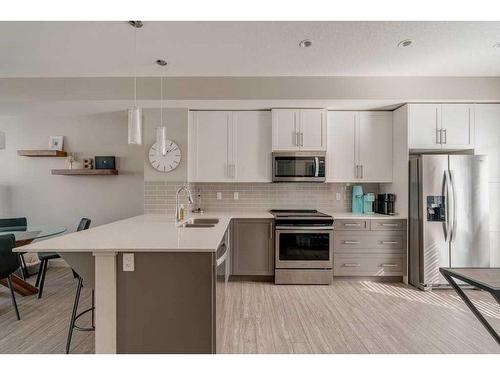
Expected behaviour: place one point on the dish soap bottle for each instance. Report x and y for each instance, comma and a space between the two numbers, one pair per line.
182, 212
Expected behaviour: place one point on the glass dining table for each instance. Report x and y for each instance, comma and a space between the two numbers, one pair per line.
25, 235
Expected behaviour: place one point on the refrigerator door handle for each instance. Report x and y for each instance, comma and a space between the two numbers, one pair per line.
447, 190
454, 219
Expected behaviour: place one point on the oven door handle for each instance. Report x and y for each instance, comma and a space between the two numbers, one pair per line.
316, 167
290, 228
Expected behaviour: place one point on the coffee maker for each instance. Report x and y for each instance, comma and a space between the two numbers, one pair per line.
384, 204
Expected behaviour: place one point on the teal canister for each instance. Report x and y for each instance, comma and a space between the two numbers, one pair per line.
357, 199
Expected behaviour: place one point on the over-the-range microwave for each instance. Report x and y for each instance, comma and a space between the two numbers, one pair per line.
299, 166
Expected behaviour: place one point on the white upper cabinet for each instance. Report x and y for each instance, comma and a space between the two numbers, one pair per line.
457, 126
341, 153
375, 146
229, 146
209, 150
359, 146
285, 129
488, 137
252, 148
441, 126
299, 130
312, 129
424, 126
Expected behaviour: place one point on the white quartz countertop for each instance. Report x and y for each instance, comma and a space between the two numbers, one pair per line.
150, 233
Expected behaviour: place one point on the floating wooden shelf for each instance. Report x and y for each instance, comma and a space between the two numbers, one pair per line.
85, 172
42, 153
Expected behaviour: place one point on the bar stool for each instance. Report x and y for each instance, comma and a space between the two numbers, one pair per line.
84, 270
20, 223
45, 257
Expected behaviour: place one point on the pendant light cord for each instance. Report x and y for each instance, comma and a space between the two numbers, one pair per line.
135, 67
161, 101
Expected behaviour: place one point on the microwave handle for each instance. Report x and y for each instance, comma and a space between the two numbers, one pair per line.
316, 167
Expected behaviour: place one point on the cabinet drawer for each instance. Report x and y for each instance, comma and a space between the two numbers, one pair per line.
387, 225
370, 241
352, 225
368, 265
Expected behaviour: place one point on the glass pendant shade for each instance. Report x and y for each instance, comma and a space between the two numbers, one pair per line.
161, 140
135, 126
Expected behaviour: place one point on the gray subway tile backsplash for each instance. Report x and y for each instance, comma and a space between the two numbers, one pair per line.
159, 197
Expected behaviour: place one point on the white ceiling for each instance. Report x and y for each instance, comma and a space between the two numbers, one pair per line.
72, 49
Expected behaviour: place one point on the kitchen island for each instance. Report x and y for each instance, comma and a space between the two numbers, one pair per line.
167, 300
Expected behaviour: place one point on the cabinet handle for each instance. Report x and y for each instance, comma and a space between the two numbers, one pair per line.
297, 139
388, 265
351, 265
444, 132
302, 139
352, 224
361, 170
389, 242
355, 171
351, 242
438, 136
389, 225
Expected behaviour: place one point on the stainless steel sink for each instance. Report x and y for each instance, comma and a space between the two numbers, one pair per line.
205, 221
191, 225
200, 223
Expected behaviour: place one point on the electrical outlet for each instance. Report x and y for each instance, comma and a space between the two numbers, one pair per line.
236, 196
338, 196
219, 196
128, 262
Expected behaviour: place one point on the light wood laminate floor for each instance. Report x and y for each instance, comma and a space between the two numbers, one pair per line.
346, 317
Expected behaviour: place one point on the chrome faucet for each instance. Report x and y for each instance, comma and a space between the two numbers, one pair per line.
190, 200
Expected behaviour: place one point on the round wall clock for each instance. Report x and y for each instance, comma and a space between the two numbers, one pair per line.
168, 162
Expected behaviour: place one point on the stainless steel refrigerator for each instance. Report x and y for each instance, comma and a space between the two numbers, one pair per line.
449, 216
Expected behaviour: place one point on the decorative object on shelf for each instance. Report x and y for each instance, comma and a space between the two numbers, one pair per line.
85, 172
167, 162
2, 141
135, 113
88, 163
161, 131
56, 142
105, 162
42, 153
70, 159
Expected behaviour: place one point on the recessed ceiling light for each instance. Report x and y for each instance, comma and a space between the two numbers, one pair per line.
496, 45
136, 24
405, 43
305, 43
161, 62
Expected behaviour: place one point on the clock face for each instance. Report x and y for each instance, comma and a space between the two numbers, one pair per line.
168, 162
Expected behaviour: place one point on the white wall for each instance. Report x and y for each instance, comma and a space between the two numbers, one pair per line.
27, 187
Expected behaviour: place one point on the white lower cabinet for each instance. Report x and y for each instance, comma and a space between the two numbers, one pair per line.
229, 146
359, 146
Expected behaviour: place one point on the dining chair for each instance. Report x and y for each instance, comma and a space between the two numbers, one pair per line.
46, 256
19, 223
9, 263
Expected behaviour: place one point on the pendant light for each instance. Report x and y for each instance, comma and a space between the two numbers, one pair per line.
161, 131
135, 113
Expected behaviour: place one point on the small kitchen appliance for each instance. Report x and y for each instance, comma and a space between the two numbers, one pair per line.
303, 247
368, 201
357, 199
300, 166
384, 204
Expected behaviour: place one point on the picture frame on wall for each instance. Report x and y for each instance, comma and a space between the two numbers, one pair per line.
56, 142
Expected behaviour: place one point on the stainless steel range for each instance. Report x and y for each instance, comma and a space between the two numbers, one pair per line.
304, 247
